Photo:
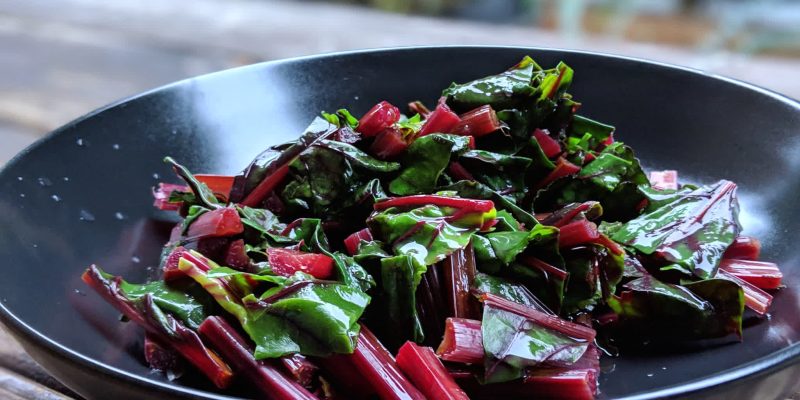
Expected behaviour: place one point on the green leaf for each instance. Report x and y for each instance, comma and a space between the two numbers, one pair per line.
310, 317
500, 91
652, 310
594, 273
657, 198
261, 220
324, 313
359, 158
400, 277
692, 231
501, 173
506, 289
477, 190
424, 161
614, 179
340, 118
513, 343
425, 233
550, 288
202, 193
178, 302
587, 134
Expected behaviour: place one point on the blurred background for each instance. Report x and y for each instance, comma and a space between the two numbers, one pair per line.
63, 58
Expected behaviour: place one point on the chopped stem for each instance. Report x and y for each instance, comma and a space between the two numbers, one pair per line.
459, 273
764, 275
264, 375
463, 341
427, 373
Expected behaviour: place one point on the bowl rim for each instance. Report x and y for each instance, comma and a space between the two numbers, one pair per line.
768, 364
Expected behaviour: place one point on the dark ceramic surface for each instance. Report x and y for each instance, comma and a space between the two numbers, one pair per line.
82, 195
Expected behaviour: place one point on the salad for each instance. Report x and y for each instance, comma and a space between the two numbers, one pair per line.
495, 245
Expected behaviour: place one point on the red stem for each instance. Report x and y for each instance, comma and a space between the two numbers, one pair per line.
217, 223
463, 341
546, 268
266, 186
754, 298
744, 248
219, 184
459, 272
351, 242
577, 232
300, 368
377, 366
563, 168
550, 147
378, 118
174, 334
441, 120
458, 171
265, 376
478, 122
764, 275
427, 373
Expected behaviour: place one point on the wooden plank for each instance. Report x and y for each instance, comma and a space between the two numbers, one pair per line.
17, 387
20, 371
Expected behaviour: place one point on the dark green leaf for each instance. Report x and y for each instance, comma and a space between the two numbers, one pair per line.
653, 310
178, 302
501, 173
500, 91
506, 289
400, 277
359, 158
513, 343
425, 233
202, 193
693, 231
425, 160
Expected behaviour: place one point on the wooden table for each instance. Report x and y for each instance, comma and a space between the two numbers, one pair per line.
68, 57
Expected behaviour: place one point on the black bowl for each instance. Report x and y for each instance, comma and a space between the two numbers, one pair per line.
82, 195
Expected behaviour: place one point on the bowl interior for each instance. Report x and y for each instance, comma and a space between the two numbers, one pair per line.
82, 195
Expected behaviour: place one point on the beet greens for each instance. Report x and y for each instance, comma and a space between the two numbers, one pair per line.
501, 225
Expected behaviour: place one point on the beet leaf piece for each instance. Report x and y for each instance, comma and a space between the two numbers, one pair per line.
502, 173
202, 193
424, 162
162, 326
270, 168
302, 316
652, 310
691, 233
400, 277
505, 90
594, 273
477, 190
613, 178
508, 290
180, 303
517, 336
433, 228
